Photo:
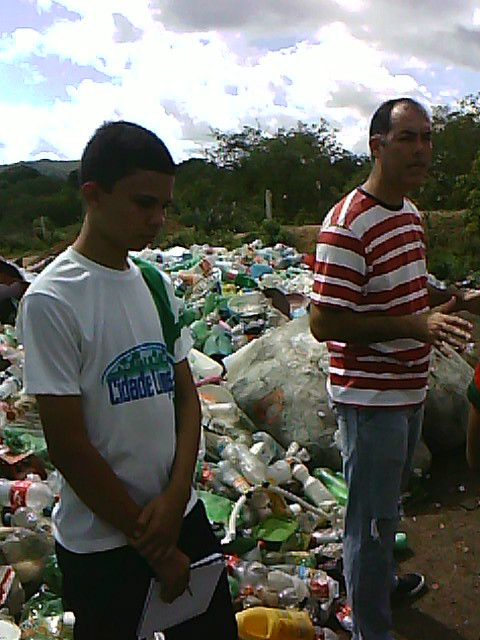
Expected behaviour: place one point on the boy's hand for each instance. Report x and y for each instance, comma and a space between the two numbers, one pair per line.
173, 571
159, 526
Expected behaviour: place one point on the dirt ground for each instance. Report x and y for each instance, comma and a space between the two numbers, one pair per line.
444, 534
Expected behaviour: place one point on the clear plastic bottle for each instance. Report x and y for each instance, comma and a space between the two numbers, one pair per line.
315, 491
279, 472
9, 387
25, 493
296, 453
251, 467
275, 447
232, 478
25, 518
54, 481
68, 623
294, 589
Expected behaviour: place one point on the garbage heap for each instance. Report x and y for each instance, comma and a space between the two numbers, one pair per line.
279, 517
233, 297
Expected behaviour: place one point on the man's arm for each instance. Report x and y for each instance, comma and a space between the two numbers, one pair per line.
162, 517
85, 470
434, 326
473, 439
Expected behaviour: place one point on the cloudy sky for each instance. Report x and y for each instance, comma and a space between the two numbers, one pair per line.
181, 67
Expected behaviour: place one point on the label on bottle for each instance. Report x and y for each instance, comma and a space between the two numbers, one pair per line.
18, 494
241, 485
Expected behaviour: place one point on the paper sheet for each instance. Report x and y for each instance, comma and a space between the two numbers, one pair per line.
158, 615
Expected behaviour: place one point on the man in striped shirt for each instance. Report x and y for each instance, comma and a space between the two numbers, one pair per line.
372, 304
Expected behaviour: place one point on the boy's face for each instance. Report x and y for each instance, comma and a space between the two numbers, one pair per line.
132, 214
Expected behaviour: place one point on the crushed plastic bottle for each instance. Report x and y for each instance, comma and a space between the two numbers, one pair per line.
25, 493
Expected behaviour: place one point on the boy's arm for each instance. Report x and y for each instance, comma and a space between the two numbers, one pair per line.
164, 514
85, 470
92, 479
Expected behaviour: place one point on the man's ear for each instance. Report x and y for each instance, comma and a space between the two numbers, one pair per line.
91, 194
376, 141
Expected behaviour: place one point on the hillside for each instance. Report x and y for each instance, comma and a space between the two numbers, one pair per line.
50, 168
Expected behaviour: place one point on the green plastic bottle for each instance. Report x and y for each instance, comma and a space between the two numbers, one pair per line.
200, 332
334, 482
218, 343
401, 541
245, 282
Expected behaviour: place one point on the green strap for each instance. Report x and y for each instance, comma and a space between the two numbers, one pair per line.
156, 285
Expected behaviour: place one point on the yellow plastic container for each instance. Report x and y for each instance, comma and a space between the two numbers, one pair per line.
262, 623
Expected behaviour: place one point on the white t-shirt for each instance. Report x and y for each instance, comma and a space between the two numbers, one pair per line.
94, 331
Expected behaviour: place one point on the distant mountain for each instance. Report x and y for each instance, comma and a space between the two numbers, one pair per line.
51, 168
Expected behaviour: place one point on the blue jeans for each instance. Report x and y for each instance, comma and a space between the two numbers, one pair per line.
377, 447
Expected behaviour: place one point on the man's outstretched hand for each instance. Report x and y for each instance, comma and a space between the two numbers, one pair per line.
441, 327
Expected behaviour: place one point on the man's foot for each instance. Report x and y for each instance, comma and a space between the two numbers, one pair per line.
408, 586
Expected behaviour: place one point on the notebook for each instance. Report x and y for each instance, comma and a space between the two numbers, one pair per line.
158, 615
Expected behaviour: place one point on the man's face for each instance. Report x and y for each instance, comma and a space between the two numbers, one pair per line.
405, 153
133, 213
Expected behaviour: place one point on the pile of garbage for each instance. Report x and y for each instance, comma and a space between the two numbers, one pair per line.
233, 297
267, 469
279, 525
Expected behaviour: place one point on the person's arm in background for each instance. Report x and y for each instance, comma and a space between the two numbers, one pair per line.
473, 426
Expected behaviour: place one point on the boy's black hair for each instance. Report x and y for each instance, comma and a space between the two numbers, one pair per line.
381, 121
118, 149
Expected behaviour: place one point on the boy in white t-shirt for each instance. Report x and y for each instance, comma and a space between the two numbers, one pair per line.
119, 410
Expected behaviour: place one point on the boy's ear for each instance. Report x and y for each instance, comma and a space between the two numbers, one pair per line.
91, 193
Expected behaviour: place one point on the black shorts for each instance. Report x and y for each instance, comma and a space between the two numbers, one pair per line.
107, 590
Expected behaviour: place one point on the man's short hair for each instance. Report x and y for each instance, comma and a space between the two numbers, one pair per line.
118, 149
381, 121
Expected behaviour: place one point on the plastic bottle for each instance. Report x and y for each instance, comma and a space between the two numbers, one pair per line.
279, 472
251, 574
218, 343
335, 483
25, 493
401, 541
291, 589
54, 481
200, 455
295, 453
68, 623
25, 518
324, 633
262, 623
9, 387
275, 447
263, 452
231, 477
312, 487
251, 467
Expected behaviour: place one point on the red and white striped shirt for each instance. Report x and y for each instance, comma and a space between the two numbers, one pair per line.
371, 258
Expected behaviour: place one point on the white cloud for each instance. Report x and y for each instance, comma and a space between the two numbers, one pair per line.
180, 67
